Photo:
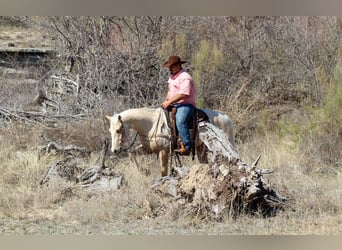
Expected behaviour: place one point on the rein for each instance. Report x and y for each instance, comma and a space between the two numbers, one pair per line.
132, 143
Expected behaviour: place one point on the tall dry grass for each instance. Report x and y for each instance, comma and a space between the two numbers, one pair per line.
313, 188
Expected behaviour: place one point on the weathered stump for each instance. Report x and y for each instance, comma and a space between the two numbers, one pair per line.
225, 187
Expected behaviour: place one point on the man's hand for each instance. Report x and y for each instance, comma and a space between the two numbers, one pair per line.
165, 104
175, 99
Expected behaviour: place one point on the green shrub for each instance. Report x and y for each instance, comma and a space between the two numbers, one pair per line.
292, 131
323, 133
207, 61
328, 114
264, 123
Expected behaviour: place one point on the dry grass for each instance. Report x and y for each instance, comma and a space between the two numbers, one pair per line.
26, 208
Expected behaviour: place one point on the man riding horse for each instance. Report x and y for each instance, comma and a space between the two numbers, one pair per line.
181, 95
151, 123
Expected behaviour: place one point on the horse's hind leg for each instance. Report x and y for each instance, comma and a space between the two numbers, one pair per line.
164, 161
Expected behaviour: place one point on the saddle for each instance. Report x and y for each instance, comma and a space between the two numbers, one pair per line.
197, 116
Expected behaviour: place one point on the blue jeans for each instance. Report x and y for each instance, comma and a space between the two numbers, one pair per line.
184, 112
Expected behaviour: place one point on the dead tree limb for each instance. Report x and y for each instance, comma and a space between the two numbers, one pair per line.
98, 177
58, 148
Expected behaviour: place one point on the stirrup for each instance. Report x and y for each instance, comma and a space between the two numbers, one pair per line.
182, 151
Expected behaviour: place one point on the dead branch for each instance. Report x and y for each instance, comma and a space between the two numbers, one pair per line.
60, 149
98, 177
13, 114
34, 117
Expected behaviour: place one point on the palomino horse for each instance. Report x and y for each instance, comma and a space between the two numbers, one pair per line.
154, 133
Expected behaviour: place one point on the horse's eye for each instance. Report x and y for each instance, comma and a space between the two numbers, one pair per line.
118, 131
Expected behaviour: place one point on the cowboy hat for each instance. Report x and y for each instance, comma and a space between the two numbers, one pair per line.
173, 60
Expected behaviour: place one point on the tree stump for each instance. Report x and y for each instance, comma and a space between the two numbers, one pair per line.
226, 186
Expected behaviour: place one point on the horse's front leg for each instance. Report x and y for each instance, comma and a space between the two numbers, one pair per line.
133, 158
164, 161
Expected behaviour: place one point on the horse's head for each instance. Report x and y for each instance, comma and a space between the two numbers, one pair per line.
117, 131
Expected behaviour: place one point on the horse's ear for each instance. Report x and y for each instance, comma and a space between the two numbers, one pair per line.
108, 117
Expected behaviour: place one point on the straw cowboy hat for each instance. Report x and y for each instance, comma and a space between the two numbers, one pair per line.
173, 60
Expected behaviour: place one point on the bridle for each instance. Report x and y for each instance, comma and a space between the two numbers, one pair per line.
123, 132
